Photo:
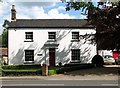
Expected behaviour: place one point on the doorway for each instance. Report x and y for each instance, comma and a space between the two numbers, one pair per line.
52, 57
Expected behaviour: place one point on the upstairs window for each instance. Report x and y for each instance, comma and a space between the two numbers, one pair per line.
75, 54
75, 35
29, 55
51, 35
29, 36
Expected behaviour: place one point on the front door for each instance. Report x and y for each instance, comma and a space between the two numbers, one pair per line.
52, 57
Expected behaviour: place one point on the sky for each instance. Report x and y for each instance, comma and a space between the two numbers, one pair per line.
36, 9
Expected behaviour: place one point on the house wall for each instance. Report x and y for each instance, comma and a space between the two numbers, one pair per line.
17, 45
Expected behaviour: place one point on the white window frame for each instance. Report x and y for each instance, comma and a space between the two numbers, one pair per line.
77, 60
52, 34
74, 34
28, 39
29, 61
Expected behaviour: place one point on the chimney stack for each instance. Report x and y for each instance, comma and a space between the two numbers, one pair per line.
13, 13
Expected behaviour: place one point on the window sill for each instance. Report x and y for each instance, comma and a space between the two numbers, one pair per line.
28, 62
75, 61
51, 40
75, 40
28, 41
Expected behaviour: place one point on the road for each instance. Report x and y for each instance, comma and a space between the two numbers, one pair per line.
60, 83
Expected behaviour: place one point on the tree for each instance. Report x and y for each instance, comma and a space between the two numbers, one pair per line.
5, 38
106, 20
5, 35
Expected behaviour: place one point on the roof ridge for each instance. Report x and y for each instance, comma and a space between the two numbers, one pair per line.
51, 19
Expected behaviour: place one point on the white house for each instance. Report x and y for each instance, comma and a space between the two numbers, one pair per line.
51, 41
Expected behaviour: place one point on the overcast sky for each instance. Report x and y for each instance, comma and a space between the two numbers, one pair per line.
37, 9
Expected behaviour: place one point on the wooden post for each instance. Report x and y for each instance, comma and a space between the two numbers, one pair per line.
45, 70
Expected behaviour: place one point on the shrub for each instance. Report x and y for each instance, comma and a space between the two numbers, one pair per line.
60, 70
15, 67
98, 61
16, 70
51, 72
79, 64
20, 72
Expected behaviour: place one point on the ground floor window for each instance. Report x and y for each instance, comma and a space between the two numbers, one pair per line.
29, 55
75, 54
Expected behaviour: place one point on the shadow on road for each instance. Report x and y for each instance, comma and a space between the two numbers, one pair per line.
96, 71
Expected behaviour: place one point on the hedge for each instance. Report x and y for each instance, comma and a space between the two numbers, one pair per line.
17, 70
77, 64
21, 66
51, 72
61, 70
21, 72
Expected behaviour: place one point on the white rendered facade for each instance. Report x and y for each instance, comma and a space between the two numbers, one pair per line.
63, 45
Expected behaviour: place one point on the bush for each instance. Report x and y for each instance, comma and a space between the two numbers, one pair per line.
52, 72
98, 61
21, 72
15, 67
78, 64
18, 70
60, 70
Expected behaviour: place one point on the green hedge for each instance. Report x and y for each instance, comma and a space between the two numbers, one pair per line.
21, 67
21, 72
17, 70
51, 72
60, 70
77, 64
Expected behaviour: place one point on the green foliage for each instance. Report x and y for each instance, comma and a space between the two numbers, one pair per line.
98, 61
73, 68
68, 68
52, 72
76, 64
16, 67
106, 20
17, 70
6, 22
5, 38
20, 70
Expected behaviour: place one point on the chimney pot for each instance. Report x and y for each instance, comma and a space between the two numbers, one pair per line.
13, 7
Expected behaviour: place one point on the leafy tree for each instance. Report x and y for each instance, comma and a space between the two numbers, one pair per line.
5, 34
106, 20
5, 38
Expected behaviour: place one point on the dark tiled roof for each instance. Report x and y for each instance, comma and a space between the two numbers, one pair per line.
49, 23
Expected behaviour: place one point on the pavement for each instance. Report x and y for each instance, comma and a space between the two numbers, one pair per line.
108, 73
64, 77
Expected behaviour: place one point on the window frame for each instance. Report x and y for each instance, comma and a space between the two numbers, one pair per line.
75, 36
73, 53
28, 36
28, 57
53, 34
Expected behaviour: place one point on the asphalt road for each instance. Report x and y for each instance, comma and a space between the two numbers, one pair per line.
60, 87
60, 83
